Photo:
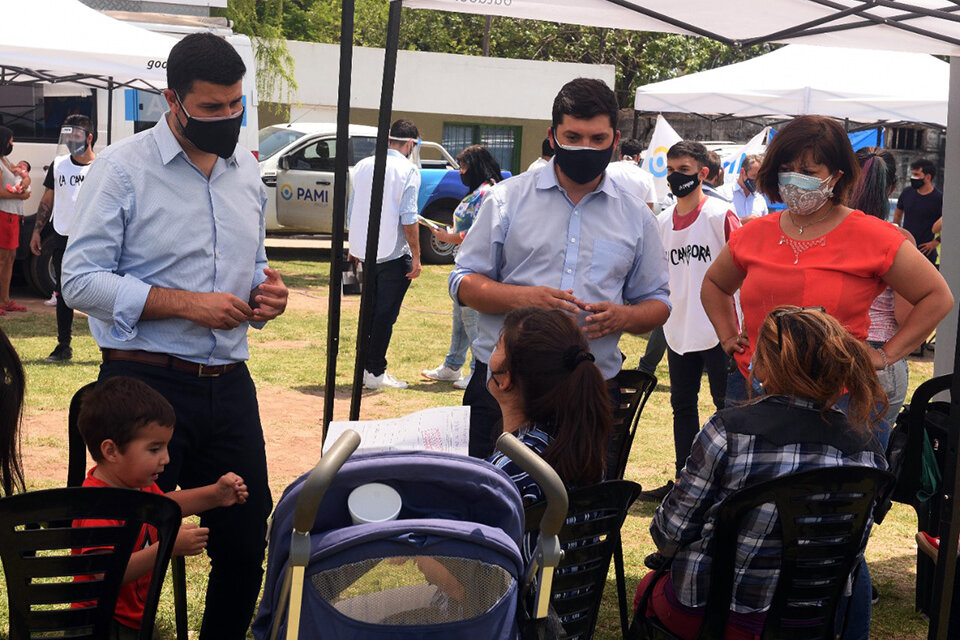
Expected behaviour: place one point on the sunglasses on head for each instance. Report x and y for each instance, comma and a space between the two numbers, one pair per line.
779, 315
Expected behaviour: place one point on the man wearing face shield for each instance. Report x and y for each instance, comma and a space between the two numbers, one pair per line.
64, 179
564, 237
398, 250
167, 258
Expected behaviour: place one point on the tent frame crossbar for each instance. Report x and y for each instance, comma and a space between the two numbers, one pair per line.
86, 79
870, 20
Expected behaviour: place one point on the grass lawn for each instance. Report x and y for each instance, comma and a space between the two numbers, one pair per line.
288, 360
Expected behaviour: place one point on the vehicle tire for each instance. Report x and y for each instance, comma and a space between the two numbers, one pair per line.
432, 251
39, 269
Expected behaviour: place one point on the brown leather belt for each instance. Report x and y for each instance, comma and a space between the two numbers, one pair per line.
168, 362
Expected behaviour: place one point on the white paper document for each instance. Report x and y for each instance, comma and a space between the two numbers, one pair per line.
445, 429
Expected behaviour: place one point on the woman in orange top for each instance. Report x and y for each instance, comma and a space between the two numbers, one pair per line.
818, 252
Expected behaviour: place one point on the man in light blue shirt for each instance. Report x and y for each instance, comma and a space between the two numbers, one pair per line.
565, 237
398, 248
748, 203
166, 256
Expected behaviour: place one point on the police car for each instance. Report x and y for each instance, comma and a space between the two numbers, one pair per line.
297, 168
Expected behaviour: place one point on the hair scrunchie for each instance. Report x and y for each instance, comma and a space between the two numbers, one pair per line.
575, 355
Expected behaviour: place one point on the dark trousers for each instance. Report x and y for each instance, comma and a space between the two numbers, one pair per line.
486, 420
685, 373
64, 313
390, 284
656, 345
218, 430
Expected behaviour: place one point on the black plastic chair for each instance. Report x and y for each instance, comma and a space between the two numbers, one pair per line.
823, 515
76, 472
635, 389
39, 567
588, 539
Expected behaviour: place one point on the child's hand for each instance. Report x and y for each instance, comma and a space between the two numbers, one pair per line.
231, 490
191, 540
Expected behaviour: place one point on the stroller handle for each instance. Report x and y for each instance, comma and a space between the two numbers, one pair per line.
556, 494
319, 480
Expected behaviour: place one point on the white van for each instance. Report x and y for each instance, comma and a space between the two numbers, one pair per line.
35, 112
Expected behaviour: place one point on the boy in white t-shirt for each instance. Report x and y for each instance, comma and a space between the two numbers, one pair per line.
692, 231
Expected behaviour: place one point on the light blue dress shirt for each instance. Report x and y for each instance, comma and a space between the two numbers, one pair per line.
606, 248
147, 216
407, 207
752, 204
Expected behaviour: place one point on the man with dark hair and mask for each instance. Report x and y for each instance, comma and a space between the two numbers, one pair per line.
64, 178
398, 249
166, 256
748, 202
564, 237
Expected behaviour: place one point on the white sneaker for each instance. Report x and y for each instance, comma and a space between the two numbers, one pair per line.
463, 382
384, 380
52, 302
442, 373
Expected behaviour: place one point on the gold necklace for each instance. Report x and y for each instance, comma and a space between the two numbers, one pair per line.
809, 224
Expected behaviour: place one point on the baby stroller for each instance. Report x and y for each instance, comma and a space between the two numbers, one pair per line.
449, 566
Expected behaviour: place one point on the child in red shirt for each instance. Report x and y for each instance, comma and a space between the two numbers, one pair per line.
126, 426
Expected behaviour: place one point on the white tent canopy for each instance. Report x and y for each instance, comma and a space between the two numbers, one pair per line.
921, 26
64, 40
860, 84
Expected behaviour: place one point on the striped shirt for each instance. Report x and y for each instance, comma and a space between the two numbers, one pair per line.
147, 216
742, 447
536, 439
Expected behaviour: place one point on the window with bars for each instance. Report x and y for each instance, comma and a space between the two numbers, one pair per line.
503, 141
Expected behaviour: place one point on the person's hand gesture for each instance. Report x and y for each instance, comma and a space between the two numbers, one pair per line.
219, 310
415, 268
231, 490
270, 298
550, 298
735, 344
191, 540
926, 248
605, 318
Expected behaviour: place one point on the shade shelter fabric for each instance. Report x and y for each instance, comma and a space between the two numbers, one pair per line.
865, 85
921, 26
64, 40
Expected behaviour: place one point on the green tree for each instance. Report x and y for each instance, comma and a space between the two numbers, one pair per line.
262, 21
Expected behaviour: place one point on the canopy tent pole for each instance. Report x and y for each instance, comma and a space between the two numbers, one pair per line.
376, 204
341, 163
946, 358
109, 110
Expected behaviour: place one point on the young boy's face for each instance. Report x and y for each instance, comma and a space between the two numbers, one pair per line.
683, 164
144, 457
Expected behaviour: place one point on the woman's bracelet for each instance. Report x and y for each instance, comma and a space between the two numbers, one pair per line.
883, 356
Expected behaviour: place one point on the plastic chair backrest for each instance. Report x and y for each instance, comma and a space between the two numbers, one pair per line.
594, 517
823, 515
905, 490
635, 389
39, 567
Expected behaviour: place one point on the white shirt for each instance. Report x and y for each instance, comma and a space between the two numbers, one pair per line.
67, 179
631, 178
536, 164
401, 184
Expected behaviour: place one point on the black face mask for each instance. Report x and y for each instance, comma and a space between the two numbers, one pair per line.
77, 148
582, 165
750, 184
683, 184
7, 150
465, 180
917, 183
215, 135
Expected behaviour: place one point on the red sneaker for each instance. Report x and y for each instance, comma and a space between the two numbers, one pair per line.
928, 544
13, 306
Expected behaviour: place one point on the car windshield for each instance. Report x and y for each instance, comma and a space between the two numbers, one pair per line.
272, 139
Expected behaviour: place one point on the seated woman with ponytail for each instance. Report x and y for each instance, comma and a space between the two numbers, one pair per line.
807, 364
553, 397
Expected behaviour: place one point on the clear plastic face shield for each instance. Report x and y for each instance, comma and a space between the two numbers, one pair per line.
73, 140
415, 153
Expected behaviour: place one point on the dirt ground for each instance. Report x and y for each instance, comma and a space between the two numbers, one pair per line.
291, 419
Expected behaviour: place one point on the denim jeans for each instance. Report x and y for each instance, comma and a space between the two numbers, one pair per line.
462, 335
686, 371
656, 346
894, 380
